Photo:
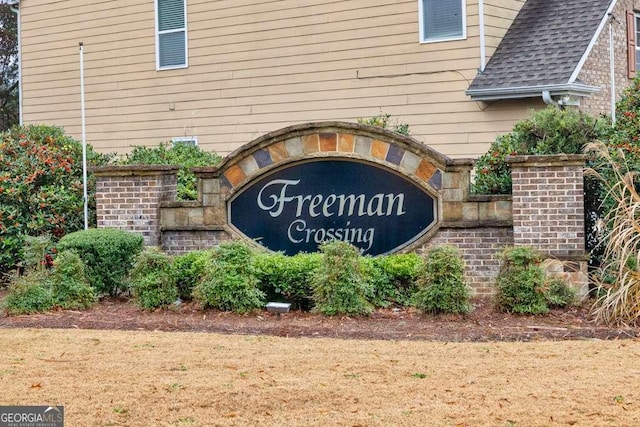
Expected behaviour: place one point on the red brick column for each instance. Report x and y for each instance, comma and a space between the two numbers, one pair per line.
548, 212
129, 197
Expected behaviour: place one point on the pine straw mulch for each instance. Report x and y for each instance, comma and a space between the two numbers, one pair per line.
484, 323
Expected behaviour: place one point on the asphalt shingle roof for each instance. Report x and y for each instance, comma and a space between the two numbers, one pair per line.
544, 44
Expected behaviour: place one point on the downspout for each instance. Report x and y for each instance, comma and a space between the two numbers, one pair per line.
548, 99
16, 10
612, 71
483, 52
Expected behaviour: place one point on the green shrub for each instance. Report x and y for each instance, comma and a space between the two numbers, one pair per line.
230, 282
41, 190
187, 270
520, 281
69, 285
384, 121
548, 131
28, 294
392, 278
558, 293
287, 278
188, 156
441, 286
151, 280
339, 285
108, 255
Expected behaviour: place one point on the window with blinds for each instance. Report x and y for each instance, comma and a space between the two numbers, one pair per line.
442, 20
171, 34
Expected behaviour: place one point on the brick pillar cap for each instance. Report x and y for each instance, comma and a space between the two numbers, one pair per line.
134, 170
547, 160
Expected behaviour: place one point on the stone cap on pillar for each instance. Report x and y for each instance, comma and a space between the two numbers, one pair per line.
134, 170
548, 160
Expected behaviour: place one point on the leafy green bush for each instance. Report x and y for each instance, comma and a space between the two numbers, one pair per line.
520, 281
151, 280
69, 285
548, 131
392, 278
28, 294
108, 255
188, 156
287, 278
384, 121
187, 270
558, 293
339, 285
230, 282
441, 286
41, 190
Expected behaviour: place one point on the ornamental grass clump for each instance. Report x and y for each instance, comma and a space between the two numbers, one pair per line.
441, 285
339, 285
230, 281
618, 276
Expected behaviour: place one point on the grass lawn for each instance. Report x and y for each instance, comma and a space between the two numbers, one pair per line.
159, 378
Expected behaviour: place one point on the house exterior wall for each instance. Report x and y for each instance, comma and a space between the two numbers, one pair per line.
256, 66
597, 70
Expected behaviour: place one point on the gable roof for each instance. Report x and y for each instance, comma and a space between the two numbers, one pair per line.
543, 50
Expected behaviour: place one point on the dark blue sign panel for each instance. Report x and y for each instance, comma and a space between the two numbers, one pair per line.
297, 207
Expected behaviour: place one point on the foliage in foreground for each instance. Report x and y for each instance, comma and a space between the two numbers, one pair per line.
187, 270
230, 281
287, 278
441, 287
41, 287
187, 156
618, 276
41, 187
108, 255
524, 288
339, 285
151, 280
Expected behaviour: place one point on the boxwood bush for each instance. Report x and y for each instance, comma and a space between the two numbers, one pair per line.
339, 285
152, 281
441, 287
188, 269
108, 255
287, 278
230, 281
70, 287
392, 278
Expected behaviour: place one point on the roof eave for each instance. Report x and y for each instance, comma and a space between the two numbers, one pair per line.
495, 94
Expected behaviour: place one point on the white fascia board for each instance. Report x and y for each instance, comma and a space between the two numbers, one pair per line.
593, 41
531, 92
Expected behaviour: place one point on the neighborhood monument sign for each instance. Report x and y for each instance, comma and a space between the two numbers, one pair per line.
296, 207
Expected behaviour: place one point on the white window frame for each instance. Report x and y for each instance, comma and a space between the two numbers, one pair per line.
186, 39
190, 140
442, 39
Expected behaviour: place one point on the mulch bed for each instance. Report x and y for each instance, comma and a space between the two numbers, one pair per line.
484, 323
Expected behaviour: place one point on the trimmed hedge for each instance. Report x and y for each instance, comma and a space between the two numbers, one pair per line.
108, 255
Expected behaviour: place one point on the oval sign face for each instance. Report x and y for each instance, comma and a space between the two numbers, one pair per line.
297, 207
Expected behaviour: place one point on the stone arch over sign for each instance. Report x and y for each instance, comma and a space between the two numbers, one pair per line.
334, 147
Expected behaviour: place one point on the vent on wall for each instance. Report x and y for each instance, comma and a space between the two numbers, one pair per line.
187, 140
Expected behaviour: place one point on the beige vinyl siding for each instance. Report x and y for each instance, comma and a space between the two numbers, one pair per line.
255, 67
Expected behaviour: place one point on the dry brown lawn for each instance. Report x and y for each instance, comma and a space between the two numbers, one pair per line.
176, 378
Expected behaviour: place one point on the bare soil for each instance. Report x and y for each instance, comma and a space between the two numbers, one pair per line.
483, 324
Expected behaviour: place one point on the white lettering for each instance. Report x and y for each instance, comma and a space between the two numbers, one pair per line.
275, 195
